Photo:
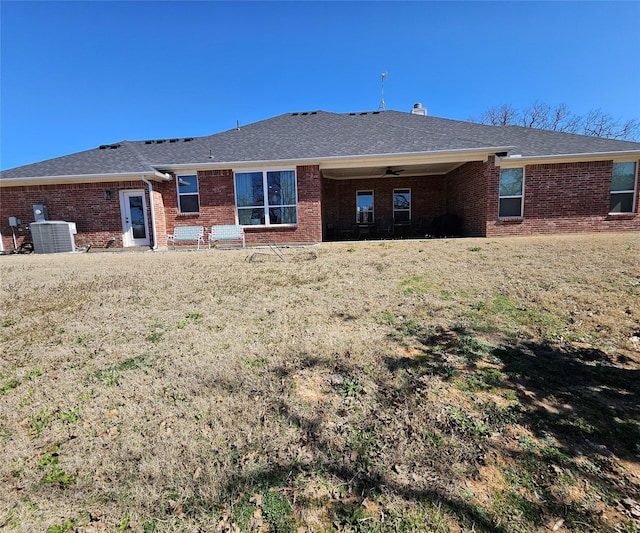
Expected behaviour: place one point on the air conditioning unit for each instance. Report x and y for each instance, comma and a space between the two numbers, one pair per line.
53, 236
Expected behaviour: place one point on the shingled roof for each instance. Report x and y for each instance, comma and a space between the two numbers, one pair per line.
318, 135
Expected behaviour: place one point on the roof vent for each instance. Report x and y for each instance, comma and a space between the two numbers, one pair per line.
418, 109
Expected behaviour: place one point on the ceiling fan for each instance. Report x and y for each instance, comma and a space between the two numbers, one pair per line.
391, 172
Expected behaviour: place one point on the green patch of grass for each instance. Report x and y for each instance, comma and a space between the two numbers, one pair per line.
70, 416
511, 507
53, 473
38, 422
465, 424
81, 339
519, 478
13, 383
446, 372
111, 375
124, 523
416, 285
350, 517
432, 439
350, 387
258, 362
553, 453
242, 513
527, 443
154, 337
57, 476
484, 379
473, 349
32, 374
67, 525
191, 317
498, 417
577, 423
8, 386
277, 510
387, 318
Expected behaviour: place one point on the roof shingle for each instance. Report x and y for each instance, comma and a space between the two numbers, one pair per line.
315, 135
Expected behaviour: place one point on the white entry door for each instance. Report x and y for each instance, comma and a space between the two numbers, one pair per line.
135, 228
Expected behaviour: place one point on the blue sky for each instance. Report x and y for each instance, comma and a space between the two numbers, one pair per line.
75, 75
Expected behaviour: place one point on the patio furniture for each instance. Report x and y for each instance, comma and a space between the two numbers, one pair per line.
347, 232
402, 229
187, 234
384, 229
419, 227
227, 232
365, 231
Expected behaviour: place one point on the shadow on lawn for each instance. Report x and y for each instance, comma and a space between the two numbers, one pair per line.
576, 400
578, 395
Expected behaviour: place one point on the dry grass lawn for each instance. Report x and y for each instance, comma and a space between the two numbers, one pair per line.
437, 385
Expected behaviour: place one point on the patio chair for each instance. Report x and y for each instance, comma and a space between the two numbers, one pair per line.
347, 232
385, 229
419, 227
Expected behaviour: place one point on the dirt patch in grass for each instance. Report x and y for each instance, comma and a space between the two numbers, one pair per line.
438, 385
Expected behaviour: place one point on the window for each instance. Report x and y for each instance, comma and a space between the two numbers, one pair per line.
623, 186
188, 199
266, 198
364, 207
511, 186
401, 205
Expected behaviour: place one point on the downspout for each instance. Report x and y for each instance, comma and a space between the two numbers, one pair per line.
153, 212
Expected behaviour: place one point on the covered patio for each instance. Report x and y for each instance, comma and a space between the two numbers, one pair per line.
400, 198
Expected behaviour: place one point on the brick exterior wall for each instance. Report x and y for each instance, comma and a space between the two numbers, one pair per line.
558, 198
99, 221
217, 206
467, 193
562, 198
97, 218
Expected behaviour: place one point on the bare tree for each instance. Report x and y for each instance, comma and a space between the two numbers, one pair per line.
600, 124
541, 115
504, 115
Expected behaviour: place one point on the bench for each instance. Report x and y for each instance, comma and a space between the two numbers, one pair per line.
226, 233
186, 234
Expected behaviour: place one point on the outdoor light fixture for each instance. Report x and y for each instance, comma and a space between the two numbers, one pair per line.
107, 194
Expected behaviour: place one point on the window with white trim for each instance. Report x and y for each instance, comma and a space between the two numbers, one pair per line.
401, 205
623, 187
364, 207
511, 192
266, 197
188, 196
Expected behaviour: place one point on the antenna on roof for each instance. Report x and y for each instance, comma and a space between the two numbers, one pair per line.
382, 107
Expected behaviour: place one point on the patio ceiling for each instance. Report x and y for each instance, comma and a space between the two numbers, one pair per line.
425, 169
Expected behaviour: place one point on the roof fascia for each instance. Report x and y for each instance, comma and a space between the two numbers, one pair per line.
516, 160
82, 178
352, 161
